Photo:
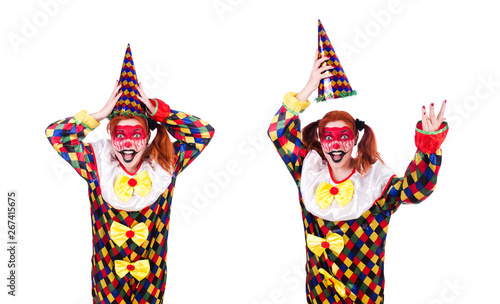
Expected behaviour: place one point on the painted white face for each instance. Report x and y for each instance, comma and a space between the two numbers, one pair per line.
337, 141
129, 142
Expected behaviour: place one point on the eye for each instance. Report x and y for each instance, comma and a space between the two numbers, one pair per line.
345, 137
137, 135
328, 137
119, 136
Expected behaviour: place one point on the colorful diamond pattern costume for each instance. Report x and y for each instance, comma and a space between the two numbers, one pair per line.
357, 267
129, 247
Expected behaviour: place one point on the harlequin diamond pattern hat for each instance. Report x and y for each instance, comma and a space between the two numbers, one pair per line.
129, 102
338, 85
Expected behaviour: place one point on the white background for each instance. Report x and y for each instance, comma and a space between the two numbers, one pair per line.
236, 234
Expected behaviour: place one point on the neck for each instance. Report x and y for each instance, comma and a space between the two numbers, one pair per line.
342, 172
130, 169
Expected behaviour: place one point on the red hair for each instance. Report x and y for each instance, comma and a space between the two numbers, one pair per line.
367, 146
160, 151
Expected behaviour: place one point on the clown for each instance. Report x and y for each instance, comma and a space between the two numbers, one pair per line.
131, 184
347, 199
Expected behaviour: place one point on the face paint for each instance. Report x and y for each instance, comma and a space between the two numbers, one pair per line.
337, 142
128, 141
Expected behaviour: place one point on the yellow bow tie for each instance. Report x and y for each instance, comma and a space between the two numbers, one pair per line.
138, 270
120, 233
318, 245
342, 193
329, 280
125, 186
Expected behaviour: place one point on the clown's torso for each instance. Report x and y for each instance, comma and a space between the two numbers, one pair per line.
129, 233
346, 222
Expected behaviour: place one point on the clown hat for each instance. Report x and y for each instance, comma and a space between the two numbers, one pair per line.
338, 85
129, 102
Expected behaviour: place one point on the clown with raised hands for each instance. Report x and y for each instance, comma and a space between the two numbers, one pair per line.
130, 183
347, 199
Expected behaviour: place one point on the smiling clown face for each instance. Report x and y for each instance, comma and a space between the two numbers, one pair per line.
129, 142
337, 141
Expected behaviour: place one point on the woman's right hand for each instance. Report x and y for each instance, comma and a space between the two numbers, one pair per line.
315, 77
110, 104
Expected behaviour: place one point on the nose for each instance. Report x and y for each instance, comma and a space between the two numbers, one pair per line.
128, 144
336, 145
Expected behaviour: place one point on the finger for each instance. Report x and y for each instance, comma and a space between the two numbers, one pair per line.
440, 117
316, 57
141, 91
118, 96
326, 75
325, 68
116, 88
426, 124
432, 116
117, 91
424, 119
321, 60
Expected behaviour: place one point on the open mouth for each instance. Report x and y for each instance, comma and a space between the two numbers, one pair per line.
128, 155
337, 156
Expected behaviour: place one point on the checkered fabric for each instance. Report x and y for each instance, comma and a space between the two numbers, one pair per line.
66, 136
361, 262
337, 85
129, 102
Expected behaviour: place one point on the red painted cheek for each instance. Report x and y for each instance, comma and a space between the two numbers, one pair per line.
117, 145
348, 144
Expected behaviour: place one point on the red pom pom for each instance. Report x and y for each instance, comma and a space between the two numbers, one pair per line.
334, 190
132, 182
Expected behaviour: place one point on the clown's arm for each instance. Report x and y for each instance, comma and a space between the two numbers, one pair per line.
420, 178
284, 132
66, 136
192, 134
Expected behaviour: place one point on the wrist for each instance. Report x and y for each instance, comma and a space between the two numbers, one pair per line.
152, 107
98, 116
304, 94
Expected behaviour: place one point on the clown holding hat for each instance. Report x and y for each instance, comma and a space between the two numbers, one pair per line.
130, 184
347, 199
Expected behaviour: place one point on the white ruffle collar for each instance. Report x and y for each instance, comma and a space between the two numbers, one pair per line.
367, 189
109, 167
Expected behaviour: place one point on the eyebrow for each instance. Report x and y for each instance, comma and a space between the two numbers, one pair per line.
345, 130
120, 129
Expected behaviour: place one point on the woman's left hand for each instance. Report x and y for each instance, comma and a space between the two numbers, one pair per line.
144, 98
432, 123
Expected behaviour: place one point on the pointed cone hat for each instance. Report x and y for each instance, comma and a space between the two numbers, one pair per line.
129, 102
338, 85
